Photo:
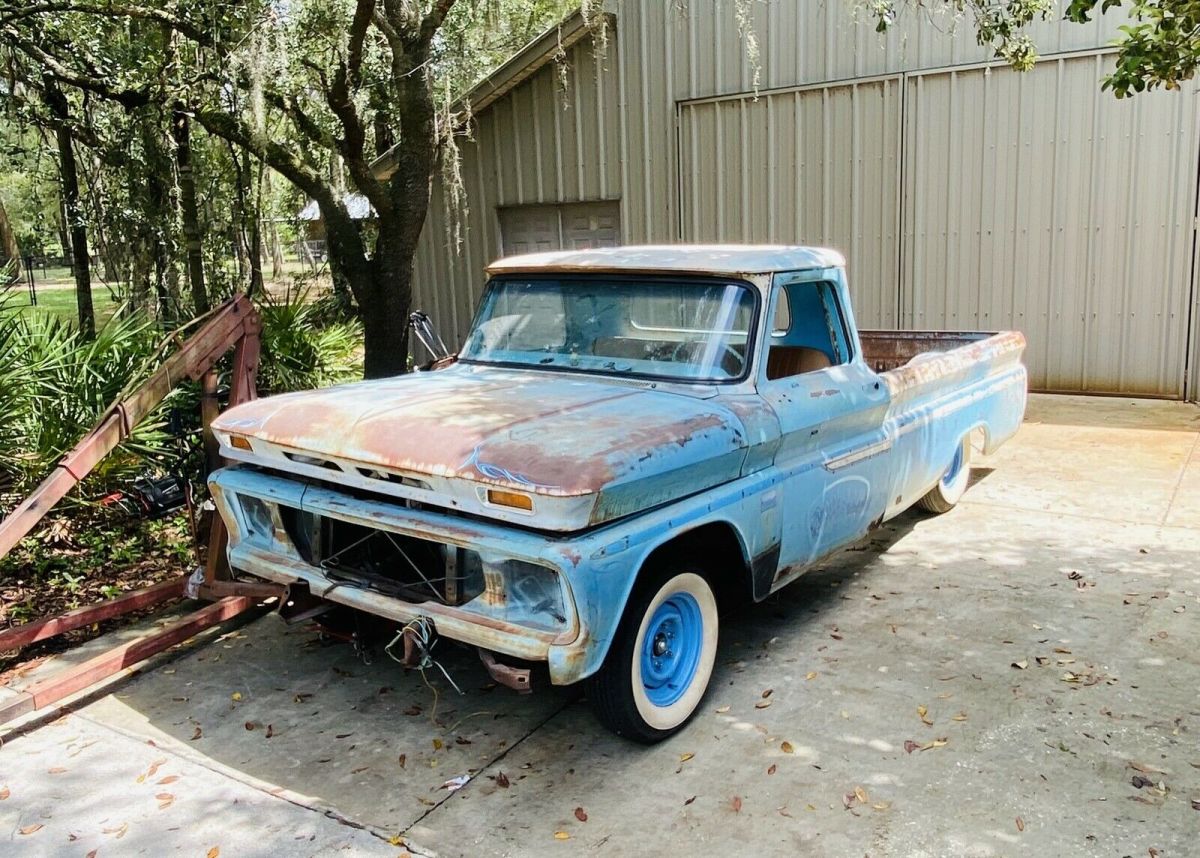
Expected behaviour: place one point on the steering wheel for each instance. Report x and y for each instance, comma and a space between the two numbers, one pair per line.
680, 355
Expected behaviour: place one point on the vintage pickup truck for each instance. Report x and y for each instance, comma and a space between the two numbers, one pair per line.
627, 437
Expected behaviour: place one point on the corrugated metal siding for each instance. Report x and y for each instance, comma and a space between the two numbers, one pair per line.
810, 166
1034, 201
819, 41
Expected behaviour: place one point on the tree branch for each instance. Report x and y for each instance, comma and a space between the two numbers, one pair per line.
10, 12
434, 19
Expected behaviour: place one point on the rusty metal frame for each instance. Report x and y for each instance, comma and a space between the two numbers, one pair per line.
233, 324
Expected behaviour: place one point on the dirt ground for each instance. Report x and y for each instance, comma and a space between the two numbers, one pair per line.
1017, 677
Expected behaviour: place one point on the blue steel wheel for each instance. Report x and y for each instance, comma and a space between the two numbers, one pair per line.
659, 666
671, 648
953, 482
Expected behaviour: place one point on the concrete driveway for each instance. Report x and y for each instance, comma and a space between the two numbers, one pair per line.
1018, 677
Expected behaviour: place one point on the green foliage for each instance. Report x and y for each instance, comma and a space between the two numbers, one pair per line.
301, 350
1160, 47
55, 384
1000, 24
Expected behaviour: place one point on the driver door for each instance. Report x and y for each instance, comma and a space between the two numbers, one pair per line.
830, 408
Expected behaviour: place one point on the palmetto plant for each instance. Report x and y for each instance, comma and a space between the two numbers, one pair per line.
55, 384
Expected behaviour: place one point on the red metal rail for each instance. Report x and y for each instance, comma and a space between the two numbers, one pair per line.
235, 324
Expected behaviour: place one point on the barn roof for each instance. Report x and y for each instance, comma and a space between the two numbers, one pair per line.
732, 259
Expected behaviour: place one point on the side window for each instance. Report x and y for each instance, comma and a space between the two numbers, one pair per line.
814, 336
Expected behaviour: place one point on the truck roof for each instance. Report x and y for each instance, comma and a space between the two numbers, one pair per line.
733, 259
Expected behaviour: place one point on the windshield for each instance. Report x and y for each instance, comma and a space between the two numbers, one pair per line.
684, 330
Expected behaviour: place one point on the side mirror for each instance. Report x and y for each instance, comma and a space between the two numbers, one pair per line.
422, 327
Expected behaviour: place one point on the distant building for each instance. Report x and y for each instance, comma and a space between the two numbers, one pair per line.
311, 236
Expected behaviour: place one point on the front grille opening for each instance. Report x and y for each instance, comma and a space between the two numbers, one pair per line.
404, 567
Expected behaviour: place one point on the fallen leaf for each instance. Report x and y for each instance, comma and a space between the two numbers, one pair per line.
396, 840
156, 765
1020, 824
849, 800
4, 793
1139, 782
721, 710
787, 748
561, 835
736, 804
688, 801
250, 725
30, 829
922, 712
1196, 804
118, 831
762, 704
882, 805
1042, 660
1021, 665
301, 697
165, 800
683, 758
169, 779
771, 769
57, 770
236, 696
581, 814
812, 674
270, 730
1145, 769
860, 794
502, 780
437, 744
92, 854
961, 716
456, 783
359, 770
197, 733
1062, 650
768, 693
461, 740
214, 852
910, 746
403, 760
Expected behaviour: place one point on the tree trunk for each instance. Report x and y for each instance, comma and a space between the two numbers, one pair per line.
189, 211
8, 245
69, 173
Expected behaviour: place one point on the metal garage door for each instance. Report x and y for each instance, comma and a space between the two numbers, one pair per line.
1035, 201
816, 165
534, 228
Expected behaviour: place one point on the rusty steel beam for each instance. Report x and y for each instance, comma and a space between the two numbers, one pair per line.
55, 688
134, 600
233, 323
252, 589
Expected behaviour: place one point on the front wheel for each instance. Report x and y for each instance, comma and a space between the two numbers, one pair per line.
658, 667
952, 485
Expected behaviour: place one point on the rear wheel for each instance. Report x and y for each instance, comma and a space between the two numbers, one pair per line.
950, 488
659, 665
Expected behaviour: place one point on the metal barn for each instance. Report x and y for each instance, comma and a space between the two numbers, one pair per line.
964, 195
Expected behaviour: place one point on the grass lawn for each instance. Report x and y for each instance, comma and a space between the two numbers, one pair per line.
58, 300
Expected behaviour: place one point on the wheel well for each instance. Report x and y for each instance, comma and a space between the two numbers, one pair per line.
717, 548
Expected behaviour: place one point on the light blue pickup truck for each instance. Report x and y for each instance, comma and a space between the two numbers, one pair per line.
627, 437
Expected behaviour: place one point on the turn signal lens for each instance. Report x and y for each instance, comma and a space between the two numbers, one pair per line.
515, 500
241, 442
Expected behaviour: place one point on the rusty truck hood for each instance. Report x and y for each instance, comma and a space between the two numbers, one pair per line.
609, 448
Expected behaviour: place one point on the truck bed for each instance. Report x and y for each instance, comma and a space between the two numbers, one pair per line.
886, 350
